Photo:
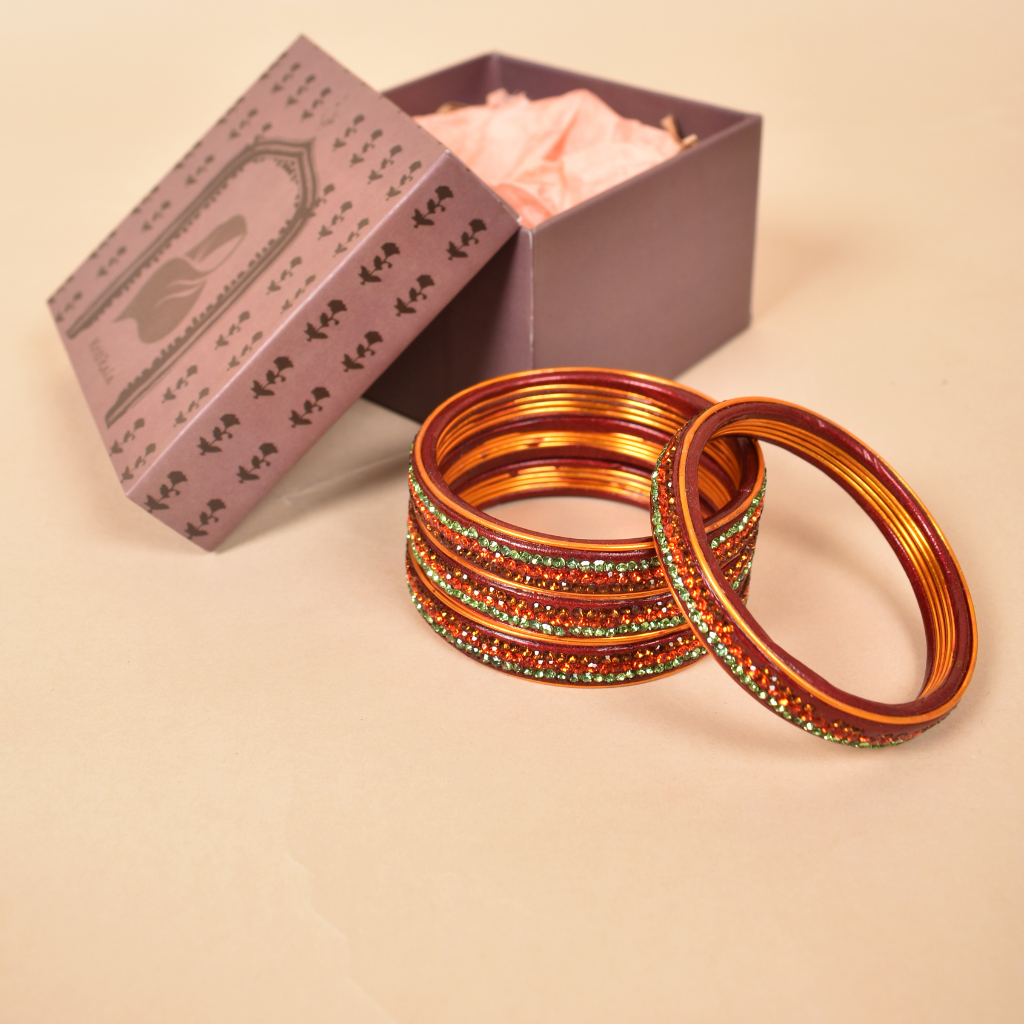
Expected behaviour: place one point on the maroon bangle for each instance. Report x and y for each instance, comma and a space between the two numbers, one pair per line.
575, 612
732, 635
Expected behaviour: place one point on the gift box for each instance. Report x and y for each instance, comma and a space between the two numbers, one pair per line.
650, 275
317, 245
264, 284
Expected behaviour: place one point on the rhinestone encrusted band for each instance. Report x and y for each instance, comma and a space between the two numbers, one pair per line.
727, 630
550, 608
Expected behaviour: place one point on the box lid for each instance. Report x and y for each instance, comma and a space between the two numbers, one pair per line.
264, 284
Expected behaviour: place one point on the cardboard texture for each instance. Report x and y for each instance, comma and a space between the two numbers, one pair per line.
650, 275
259, 289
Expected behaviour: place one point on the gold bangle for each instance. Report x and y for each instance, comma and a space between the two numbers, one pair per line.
728, 630
564, 611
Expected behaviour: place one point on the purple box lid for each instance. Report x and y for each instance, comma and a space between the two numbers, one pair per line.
264, 285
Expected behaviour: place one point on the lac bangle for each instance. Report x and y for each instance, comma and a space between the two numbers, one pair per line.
574, 612
731, 634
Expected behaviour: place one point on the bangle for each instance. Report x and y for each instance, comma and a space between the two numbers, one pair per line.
565, 611
730, 633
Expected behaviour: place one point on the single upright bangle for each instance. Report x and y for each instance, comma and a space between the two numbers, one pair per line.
729, 631
575, 612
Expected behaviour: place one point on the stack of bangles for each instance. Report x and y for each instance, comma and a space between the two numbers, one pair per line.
609, 613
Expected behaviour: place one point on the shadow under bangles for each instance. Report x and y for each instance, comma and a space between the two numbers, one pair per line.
728, 630
572, 612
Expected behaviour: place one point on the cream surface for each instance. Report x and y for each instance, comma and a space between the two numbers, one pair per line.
545, 156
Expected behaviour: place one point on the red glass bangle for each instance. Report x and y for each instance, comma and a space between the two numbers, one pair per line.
575, 612
732, 635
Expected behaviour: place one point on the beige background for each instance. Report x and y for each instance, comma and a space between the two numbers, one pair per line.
253, 786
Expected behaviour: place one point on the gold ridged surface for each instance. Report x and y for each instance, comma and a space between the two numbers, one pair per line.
937, 603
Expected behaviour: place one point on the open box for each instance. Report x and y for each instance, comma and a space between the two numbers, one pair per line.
296, 251
648, 276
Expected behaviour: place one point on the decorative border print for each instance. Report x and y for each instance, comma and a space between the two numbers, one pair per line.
295, 161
